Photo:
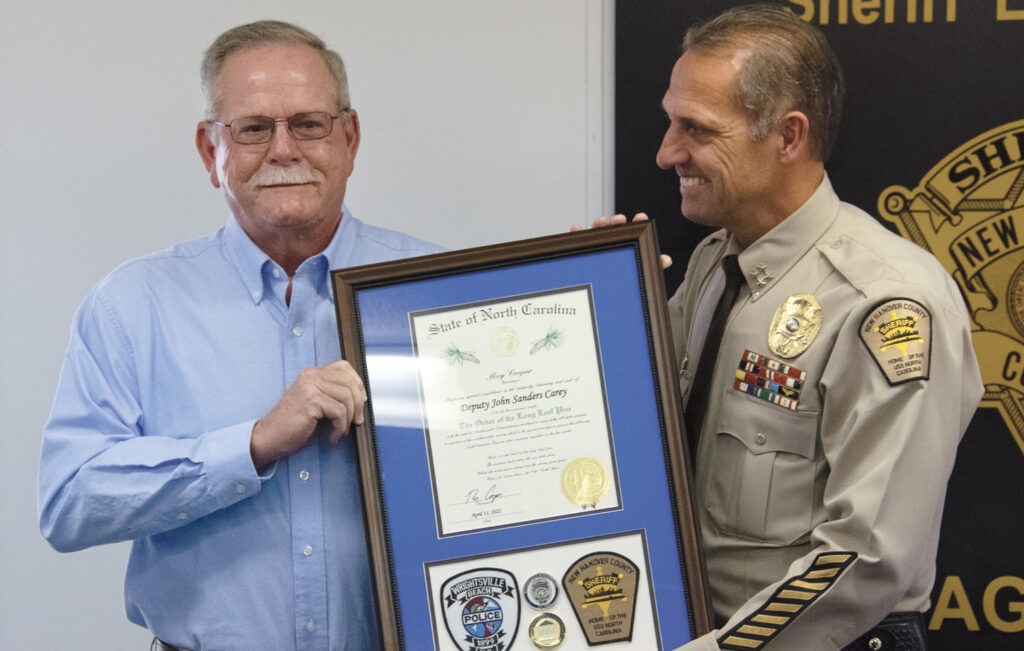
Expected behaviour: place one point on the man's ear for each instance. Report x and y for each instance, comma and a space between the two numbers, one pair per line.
351, 127
796, 133
207, 151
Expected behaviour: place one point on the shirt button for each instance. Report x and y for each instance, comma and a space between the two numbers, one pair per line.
836, 244
307, 550
304, 475
760, 438
183, 516
297, 331
256, 295
239, 488
277, 273
311, 626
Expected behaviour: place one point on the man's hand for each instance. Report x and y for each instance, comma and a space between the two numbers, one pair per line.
601, 222
333, 392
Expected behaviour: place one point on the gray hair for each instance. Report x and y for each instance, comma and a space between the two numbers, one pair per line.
265, 32
788, 66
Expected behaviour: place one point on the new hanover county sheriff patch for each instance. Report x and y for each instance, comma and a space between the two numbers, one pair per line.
898, 334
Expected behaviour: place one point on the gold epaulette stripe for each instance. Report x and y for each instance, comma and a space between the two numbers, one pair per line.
793, 596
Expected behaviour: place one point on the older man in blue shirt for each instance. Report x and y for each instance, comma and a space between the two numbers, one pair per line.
201, 407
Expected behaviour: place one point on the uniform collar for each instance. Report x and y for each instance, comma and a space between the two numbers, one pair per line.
253, 265
771, 257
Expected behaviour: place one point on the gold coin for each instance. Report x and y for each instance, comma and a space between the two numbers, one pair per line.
584, 481
547, 631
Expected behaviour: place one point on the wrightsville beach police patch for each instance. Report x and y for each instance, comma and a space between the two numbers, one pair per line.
898, 334
481, 609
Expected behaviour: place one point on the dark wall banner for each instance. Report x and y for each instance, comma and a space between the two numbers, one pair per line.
932, 144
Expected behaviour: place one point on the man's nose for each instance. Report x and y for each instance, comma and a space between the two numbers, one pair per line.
284, 149
672, 151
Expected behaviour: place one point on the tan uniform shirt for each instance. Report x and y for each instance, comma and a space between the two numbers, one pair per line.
822, 465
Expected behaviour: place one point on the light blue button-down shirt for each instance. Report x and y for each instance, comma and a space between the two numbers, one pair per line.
172, 358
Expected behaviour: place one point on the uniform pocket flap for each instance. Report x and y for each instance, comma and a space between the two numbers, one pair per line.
763, 427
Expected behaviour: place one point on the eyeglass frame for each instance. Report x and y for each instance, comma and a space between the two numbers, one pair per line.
273, 128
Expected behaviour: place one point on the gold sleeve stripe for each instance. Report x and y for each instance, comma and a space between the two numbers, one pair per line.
797, 594
777, 620
738, 643
778, 605
809, 585
832, 559
793, 596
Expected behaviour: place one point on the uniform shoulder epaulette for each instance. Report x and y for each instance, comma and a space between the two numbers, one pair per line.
859, 264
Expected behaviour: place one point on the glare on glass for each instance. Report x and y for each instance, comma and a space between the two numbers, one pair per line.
259, 129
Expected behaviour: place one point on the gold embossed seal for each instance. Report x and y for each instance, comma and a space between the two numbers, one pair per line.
584, 481
796, 324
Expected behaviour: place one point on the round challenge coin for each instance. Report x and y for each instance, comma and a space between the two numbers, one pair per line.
540, 590
547, 631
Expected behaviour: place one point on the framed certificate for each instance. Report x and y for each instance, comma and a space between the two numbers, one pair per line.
522, 460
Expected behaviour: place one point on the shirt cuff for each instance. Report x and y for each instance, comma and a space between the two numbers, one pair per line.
227, 463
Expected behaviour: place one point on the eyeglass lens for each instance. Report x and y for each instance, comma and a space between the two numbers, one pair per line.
259, 129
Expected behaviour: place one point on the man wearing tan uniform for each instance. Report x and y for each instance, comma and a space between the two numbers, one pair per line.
827, 425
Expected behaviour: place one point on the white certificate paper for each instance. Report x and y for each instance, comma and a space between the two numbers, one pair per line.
514, 410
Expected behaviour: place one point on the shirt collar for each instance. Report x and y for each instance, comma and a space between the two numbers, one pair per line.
770, 257
252, 263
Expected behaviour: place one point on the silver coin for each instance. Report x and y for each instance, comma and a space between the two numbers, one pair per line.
540, 590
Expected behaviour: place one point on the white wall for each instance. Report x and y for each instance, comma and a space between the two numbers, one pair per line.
482, 121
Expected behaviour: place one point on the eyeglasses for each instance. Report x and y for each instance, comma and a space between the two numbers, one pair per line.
259, 129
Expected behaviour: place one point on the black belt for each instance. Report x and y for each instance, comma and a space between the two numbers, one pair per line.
897, 632
157, 645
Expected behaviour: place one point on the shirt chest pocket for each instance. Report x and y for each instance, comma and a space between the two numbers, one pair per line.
762, 476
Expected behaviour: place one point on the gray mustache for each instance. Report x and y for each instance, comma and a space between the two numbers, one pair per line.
285, 176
